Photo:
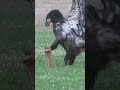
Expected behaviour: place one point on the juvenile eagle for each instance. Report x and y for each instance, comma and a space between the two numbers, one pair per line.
69, 31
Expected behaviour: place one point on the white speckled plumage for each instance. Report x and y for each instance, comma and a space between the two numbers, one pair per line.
73, 26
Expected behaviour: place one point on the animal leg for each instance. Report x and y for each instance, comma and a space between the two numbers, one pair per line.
69, 59
55, 43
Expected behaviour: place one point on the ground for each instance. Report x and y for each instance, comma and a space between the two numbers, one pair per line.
13, 74
61, 77
58, 76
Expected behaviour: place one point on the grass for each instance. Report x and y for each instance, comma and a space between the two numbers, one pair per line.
59, 76
17, 36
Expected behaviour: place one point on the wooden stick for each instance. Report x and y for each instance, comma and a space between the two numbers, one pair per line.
48, 55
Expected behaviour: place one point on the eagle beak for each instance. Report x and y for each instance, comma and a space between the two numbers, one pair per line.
48, 21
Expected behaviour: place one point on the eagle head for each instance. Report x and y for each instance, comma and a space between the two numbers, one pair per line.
54, 17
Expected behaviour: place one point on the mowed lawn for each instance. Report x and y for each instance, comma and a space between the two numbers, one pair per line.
59, 76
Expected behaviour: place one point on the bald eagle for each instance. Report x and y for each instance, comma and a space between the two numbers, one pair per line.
69, 31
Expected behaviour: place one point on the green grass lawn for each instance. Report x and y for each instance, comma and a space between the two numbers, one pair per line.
59, 76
